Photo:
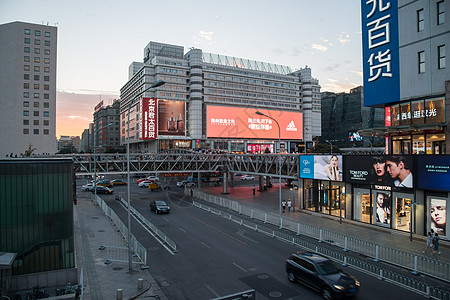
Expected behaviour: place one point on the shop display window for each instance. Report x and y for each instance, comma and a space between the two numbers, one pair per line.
362, 205
402, 215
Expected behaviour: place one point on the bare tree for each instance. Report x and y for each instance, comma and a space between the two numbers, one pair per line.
30, 150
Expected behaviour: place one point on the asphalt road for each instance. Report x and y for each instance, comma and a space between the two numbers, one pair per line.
217, 257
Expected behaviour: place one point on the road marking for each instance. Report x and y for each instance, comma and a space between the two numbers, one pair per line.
166, 219
242, 232
182, 229
239, 267
206, 245
211, 290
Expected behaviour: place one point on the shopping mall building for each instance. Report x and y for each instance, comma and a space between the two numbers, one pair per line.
209, 101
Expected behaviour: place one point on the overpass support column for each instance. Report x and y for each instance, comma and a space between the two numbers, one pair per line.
232, 183
261, 183
225, 182
199, 182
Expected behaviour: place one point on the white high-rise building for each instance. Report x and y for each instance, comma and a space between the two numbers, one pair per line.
28, 88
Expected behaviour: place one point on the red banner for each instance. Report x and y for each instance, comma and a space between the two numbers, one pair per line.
149, 118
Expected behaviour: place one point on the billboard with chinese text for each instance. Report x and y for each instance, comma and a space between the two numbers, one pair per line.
380, 45
239, 122
433, 172
149, 118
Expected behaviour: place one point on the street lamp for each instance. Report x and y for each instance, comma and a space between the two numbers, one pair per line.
95, 162
279, 162
331, 146
154, 85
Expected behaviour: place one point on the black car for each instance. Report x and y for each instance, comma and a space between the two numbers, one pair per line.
320, 273
102, 190
159, 207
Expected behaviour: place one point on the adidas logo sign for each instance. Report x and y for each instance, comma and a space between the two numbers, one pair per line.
291, 127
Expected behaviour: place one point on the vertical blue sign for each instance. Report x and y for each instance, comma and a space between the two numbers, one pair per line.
380, 51
307, 166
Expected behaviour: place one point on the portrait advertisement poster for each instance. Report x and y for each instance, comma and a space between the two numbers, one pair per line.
433, 172
438, 215
384, 170
383, 204
307, 166
328, 167
171, 118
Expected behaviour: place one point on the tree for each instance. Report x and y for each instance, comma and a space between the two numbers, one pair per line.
30, 150
324, 148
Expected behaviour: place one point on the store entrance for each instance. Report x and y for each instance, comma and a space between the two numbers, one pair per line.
402, 216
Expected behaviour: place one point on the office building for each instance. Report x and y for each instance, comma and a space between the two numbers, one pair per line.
107, 137
28, 85
209, 101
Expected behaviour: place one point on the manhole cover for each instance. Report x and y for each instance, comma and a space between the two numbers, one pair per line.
275, 294
263, 276
101, 231
117, 268
94, 217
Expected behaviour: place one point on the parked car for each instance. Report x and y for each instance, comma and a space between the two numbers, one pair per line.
155, 178
159, 207
190, 184
87, 187
247, 177
321, 274
142, 179
145, 183
154, 186
181, 183
106, 183
102, 190
118, 182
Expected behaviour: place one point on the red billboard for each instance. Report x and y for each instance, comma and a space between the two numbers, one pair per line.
237, 122
149, 118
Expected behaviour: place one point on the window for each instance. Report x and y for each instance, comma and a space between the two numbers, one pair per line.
47, 43
46, 96
35, 131
26, 131
46, 114
46, 78
26, 40
27, 31
47, 34
46, 122
37, 42
421, 57
26, 58
36, 122
26, 122
26, 49
46, 131
26, 85
420, 20
36, 77
26, 95
26, 67
36, 113
26, 113
37, 33
36, 86
37, 68
36, 95
46, 105
46, 87
46, 60
47, 69
440, 12
36, 104
441, 57
37, 60
37, 51
26, 104
47, 51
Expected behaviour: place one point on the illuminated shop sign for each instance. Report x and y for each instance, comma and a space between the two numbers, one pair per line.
418, 112
326, 167
433, 172
259, 148
237, 122
149, 118
171, 118
383, 170
380, 51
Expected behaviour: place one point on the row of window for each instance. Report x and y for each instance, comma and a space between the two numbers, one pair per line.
440, 16
440, 59
36, 33
35, 77
26, 113
36, 68
35, 104
36, 50
36, 122
36, 42
250, 87
37, 59
36, 86
35, 131
26, 95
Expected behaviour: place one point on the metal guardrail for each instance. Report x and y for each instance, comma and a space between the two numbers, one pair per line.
416, 263
371, 268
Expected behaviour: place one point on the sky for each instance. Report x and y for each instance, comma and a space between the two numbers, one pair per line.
98, 40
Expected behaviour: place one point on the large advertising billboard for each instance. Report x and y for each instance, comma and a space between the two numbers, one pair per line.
149, 118
237, 122
171, 118
433, 172
395, 170
438, 215
326, 167
380, 45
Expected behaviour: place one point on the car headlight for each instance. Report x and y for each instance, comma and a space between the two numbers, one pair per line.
338, 287
357, 283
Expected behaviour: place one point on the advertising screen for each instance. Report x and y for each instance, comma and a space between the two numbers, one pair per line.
382, 170
149, 118
433, 172
438, 215
171, 118
354, 137
237, 122
326, 167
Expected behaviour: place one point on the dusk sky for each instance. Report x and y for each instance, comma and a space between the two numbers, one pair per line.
98, 40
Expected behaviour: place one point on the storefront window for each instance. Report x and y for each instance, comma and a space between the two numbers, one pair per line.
418, 144
401, 144
324, 198
402, 216
337, 197
309, 195
435, 143
362, 205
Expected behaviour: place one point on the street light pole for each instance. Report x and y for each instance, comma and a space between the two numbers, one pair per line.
331, 146
154, 85
95, 162
279, 162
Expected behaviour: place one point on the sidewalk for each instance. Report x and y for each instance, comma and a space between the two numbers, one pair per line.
268, 202
93, 229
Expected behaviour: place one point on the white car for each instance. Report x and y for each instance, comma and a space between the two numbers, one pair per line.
181, 183
87, 187
247, 177
145, 183
154, 178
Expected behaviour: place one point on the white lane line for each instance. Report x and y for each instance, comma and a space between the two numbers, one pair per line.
166, 219
206, 245
182, 229
239, 267
242, 234
211, 290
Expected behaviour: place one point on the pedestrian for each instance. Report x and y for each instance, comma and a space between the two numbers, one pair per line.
283, 203
429, 243
436, 244
289, 205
